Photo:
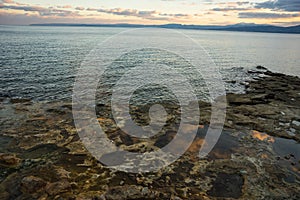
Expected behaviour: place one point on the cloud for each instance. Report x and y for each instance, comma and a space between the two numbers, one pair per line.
92, 9
128, 12
24, 8
230, 9
242, 2
80, 8
174, 15
8, 1
25, 19
42, 11
236, 3
153, 15
232, 6
65, 6
284, 5
58, 12
265, 15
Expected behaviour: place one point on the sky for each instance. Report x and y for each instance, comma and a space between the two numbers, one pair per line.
199, 12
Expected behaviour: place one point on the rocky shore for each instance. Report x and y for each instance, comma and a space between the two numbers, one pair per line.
256, 157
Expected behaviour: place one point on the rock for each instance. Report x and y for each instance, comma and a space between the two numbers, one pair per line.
261, 67
58, 187
133, 192
19, 100
32, 184
259, 98
247, 99
164, 139
9, 160
238, 99
237, 167
4, 195
90, 196
296, 123
227, 185
231, 81
145, 191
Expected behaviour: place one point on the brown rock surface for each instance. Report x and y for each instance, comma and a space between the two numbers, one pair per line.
256, 157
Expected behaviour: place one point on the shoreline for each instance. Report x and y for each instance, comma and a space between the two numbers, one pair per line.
42, 156
255, 28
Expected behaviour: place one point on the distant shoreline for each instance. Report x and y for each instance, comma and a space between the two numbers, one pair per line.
236, 27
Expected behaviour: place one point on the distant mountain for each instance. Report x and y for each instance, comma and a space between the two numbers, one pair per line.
245, 27
265, 28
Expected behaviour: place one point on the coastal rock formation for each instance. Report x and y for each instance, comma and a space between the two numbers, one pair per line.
256, 157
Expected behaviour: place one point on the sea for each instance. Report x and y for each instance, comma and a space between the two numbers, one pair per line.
41, 62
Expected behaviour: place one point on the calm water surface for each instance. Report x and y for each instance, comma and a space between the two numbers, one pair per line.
40, 63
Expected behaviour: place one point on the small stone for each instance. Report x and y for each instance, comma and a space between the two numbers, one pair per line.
292, 130
139, 180
58, 187
43, 197
290, 133
261, 67
296, 123
122, 183
168, 179
277, 157
145, 191
32, 184
9, 160
292, 155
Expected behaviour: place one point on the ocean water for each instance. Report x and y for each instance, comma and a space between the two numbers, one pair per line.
40, 63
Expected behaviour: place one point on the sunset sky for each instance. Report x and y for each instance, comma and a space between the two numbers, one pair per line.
201, 12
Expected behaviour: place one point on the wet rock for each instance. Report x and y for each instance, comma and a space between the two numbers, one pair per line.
57, 111
58, 187
239, 166
227, 185
237, 99
32, 184
4, 195
90, 196
5, 143
261, 67
19, 100
141, 147
114, 158
164, 139
287, 157
43, 150
296, 123
133, 192
9, 160
247, 99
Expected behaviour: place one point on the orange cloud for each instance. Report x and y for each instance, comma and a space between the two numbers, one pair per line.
214, 13
66, 6
8, 1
